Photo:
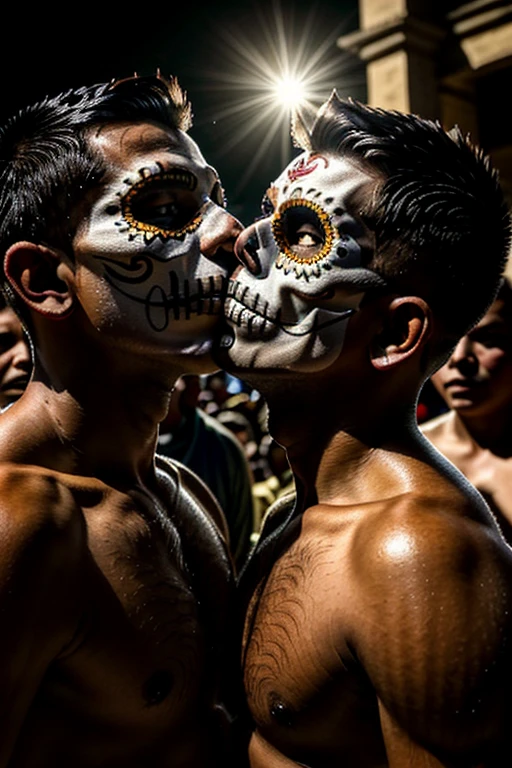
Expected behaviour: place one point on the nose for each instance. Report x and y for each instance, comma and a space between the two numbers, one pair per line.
217, 240
21, 355
246, 250
464, 358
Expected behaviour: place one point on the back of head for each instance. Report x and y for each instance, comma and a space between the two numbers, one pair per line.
439, 217
46, 165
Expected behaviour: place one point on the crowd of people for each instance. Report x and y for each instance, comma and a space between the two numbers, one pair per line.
254, 482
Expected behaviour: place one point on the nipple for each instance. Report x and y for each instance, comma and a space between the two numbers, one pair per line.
282, 714
157, 687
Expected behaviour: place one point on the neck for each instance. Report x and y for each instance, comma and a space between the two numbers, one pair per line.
98, 410
331, 441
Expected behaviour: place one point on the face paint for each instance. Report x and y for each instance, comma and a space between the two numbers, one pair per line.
303, 276
149, 255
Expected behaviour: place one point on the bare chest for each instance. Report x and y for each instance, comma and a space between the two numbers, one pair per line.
142, 662
305, 689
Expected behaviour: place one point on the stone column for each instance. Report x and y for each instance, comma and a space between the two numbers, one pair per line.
398, 42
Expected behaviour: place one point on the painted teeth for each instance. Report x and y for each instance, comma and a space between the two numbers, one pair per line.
238, 308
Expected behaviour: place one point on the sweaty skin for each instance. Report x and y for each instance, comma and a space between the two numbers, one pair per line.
115, 578
378, 624
475, 434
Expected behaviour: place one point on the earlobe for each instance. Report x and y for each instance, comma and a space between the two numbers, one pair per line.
35, 272
407, 328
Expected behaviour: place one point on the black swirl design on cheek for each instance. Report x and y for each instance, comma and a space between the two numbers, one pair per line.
136, 271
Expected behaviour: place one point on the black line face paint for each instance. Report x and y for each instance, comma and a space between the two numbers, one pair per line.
304, 276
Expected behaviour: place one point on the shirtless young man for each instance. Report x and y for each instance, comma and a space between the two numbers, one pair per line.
379, 624
115, 579
476, 384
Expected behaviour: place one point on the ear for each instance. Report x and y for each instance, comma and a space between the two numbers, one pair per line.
407, 328
300, 127
37, 274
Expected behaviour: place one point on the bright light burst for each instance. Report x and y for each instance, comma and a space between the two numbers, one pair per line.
277, 68
290, 92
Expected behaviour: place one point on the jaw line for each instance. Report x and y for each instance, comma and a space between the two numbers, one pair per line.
336, 317
291, 329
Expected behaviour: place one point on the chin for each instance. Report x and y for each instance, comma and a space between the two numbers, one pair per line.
197, 357
278, 357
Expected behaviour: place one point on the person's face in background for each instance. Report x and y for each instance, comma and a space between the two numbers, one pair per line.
477, 378
15, 360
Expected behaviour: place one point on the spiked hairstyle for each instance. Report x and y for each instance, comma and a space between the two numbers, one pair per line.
47, 166
439, 217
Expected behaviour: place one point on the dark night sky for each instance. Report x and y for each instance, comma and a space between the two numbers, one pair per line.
45, 51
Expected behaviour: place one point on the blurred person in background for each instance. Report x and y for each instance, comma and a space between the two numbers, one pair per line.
475, 434
15, 357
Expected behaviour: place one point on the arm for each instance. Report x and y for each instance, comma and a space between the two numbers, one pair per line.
433, 633
40, 540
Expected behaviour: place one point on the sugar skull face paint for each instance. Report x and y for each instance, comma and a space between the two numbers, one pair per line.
304, 276
154, 252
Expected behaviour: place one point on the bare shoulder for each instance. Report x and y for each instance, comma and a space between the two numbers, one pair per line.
42, 530
437, 427
431, 620
438, 540
34, 499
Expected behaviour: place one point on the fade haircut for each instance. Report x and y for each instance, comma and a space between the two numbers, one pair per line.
47, 167
439, 217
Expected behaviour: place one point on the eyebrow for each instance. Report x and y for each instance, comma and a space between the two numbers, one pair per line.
495, 325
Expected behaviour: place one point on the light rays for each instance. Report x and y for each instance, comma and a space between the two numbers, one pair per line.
282, 62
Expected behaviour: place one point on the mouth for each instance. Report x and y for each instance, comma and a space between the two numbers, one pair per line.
461, 384
242, 308
200, 296
17, 385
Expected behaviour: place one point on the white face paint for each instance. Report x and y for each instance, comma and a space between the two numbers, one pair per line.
290, 306
149, 256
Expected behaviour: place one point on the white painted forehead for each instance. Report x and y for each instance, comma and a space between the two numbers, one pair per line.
321, 172
188, 146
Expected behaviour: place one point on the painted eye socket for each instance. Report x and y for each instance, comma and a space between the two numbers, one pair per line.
165, 204
303, 231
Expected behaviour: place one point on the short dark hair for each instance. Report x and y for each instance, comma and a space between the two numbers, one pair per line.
439, 216
46, 165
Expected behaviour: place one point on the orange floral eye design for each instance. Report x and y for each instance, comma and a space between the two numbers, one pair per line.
163, 204
303, 231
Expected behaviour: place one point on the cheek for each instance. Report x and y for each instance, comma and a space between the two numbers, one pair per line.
438, 379
96, 298
5, 363
493, 360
